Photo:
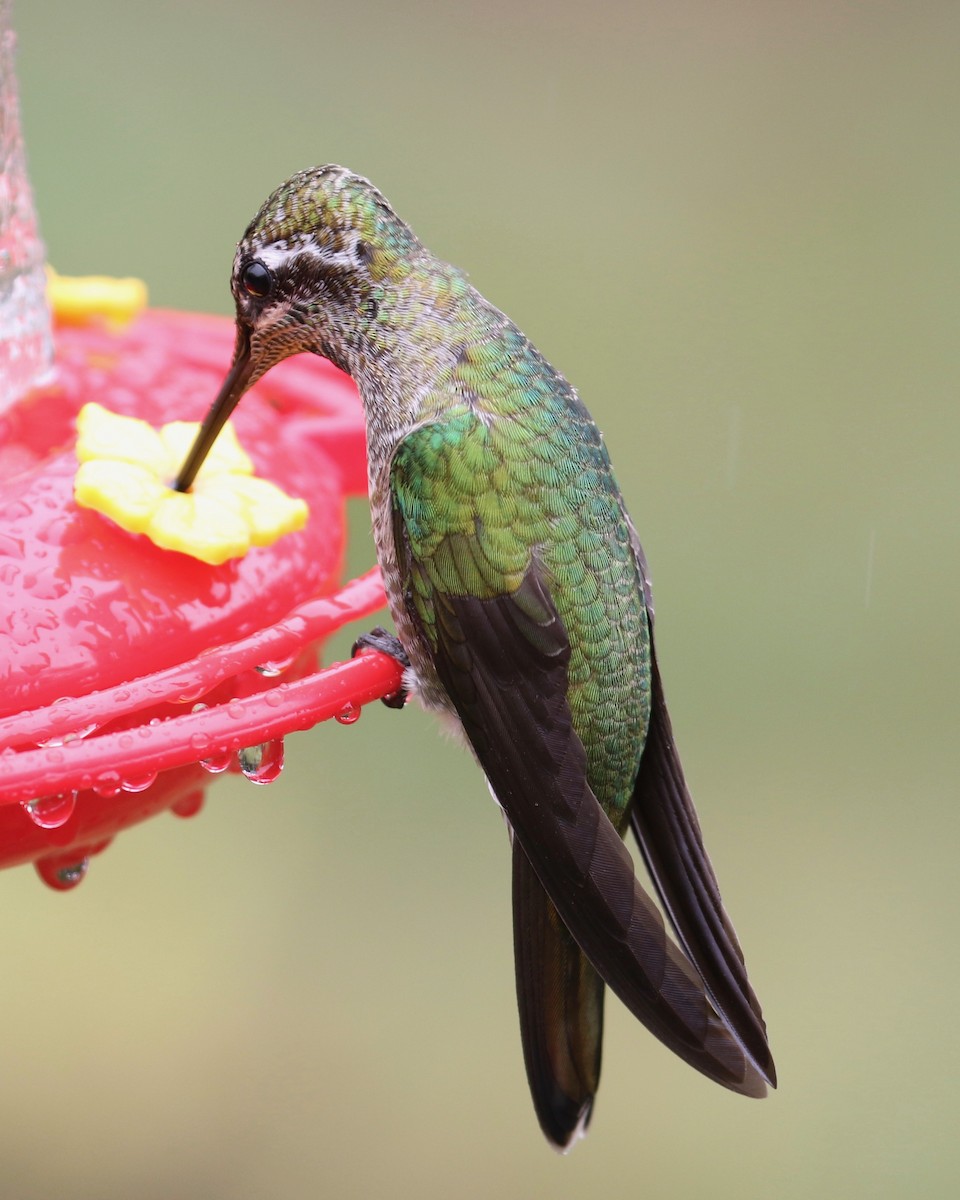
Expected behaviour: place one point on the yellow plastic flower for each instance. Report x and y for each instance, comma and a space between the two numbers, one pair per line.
77, 299
127, 467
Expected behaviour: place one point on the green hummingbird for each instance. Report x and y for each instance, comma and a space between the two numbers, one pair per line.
523, 610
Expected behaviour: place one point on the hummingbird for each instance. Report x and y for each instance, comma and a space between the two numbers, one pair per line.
524, 618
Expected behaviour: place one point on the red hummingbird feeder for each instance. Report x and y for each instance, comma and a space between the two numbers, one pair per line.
132, 673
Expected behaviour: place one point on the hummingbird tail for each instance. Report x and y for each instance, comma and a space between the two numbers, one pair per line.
560, 1000
667, 829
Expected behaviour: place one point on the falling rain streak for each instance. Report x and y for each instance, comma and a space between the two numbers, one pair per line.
871, 549
733, 447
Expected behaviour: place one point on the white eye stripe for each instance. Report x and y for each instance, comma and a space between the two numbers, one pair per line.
278, 254
274, 256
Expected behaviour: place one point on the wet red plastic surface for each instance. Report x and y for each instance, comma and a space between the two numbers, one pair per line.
82, 603
107, 643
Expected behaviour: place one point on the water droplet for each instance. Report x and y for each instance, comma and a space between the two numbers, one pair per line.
189, 805
218, 761
74, 735
37, 665
349, 714
62, 876
50, 812
262, 763
275, 667
138, 783
107, 784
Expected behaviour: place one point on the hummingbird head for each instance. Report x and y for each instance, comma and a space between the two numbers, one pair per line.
310, 274
310, 270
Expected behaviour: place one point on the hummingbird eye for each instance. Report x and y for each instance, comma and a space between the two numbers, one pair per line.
256, 280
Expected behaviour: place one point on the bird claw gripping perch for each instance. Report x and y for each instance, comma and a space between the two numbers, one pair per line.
381, 640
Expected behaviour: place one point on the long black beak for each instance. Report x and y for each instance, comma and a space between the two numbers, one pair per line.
236, 383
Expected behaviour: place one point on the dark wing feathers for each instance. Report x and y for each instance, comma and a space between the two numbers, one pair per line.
503, 662
666, 826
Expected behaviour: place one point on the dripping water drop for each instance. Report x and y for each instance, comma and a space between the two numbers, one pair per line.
51, 812
349, 714
62, 876
262, 763
189, 805
138, 783
218, 761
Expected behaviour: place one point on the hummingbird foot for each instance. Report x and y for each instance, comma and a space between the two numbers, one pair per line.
387, 643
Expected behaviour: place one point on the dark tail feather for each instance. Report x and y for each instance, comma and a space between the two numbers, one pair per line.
560, 998
666, 827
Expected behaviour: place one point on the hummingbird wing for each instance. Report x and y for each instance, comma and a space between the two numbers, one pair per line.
666, 826
560, 1003
502, 658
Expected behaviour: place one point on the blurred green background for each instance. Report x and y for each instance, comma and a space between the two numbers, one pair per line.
734, 227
